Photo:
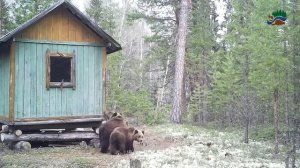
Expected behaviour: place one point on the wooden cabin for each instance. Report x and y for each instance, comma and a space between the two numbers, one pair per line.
53, 70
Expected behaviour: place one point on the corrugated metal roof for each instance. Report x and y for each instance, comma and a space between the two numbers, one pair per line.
112, 45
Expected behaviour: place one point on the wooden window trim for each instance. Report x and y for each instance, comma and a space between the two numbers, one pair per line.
72, 83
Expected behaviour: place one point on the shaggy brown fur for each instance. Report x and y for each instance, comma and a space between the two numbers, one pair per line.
121, 139
107, 128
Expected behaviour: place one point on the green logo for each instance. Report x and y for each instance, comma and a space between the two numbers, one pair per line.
277, 18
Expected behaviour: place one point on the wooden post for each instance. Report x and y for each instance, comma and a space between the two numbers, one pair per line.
12, 81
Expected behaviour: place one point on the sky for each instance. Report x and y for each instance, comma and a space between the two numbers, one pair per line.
80, 4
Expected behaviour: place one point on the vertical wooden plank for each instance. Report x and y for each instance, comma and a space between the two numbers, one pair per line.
80, 105
33, 82
64, 26
17, 77
20, 80
2, 84
12, 81
43, 28
35, 30
72, 96
79, 31
6, 83
27, 79
85, 81
46, 92
53, 93
39, 79
98, 80
55, 23
72, 28
103, 86
59, 91
49, 27
91, 88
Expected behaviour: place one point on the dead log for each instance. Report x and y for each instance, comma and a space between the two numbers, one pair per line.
49, 137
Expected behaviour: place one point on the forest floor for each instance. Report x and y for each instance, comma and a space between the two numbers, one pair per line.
165, 146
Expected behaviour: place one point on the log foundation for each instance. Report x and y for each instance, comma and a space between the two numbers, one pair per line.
50, 137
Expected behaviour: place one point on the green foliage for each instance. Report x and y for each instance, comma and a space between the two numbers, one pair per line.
5, 25
103, 13
24, 10
264, 133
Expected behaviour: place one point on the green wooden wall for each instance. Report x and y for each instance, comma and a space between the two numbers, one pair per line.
4, 81
33, 100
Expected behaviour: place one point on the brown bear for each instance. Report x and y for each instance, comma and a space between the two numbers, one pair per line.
121, 139
108, 114
107, 128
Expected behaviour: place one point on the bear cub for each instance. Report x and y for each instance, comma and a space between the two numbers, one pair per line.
116, 120
121, 139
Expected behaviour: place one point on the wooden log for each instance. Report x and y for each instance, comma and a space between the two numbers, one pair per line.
97, 131
135, 163
22, 145
5, 129
50, 137
57, 124
18, 132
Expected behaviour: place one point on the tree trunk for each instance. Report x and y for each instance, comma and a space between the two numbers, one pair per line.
141, 55
246, 98
160, 98
179, 65
276, 117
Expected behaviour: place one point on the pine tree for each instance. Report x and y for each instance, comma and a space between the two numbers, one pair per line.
178, 104
200, 53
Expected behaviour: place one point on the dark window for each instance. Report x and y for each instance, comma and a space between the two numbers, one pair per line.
60, 70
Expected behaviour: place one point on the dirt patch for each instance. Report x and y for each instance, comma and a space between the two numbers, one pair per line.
79, 155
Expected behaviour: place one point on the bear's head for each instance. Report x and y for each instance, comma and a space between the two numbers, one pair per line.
138, 135
116, 115
110, 114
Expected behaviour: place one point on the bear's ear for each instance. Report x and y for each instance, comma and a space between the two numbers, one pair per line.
143, 132
135, 132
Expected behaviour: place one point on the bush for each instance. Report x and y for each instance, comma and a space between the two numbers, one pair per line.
264, 132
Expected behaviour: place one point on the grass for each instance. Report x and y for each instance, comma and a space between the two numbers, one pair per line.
227, 150
64, 157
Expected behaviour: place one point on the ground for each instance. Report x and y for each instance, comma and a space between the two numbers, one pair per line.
164, 146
